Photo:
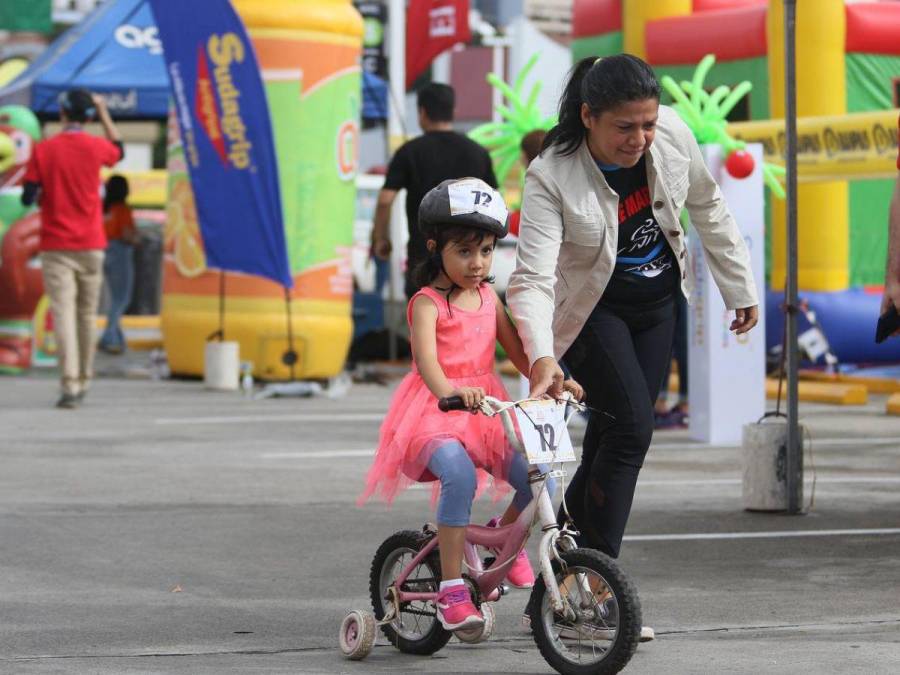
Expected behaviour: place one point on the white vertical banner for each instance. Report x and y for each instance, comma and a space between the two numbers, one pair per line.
399, 230
396, 70
726, 372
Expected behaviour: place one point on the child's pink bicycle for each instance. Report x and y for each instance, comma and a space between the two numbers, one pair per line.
584, 611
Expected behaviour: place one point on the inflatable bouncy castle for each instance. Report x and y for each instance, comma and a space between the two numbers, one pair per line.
848, 70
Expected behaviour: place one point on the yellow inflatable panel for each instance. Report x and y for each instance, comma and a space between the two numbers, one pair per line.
874, 385
823, 392
142, 333
823, 209
145, 188
320, 337
636, 14
329, 16
893, 405
831, 147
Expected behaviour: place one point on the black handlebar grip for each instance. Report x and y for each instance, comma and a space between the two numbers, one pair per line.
451, 403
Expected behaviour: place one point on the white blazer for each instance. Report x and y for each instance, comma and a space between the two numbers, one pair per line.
568, 235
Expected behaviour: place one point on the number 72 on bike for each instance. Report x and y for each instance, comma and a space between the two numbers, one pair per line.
544, 431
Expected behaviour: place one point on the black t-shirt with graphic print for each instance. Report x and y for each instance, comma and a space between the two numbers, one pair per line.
646, 271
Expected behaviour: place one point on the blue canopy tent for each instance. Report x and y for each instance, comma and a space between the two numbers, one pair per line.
115, 51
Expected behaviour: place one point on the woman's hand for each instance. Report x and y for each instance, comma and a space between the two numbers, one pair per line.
546, 378
574, 388
471, 396
745, 319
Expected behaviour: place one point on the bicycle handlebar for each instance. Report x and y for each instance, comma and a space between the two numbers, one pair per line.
449, 403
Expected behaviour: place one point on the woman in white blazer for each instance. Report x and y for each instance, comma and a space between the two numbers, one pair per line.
601, 257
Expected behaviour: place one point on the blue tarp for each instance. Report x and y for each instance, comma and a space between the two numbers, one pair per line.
374, 97
115, 51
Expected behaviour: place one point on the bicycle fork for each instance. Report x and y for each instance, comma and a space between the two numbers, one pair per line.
551, 542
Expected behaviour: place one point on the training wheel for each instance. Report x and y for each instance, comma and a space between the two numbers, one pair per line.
357, 635
476, 635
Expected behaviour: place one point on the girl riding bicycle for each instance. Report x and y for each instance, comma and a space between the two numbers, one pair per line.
455, 320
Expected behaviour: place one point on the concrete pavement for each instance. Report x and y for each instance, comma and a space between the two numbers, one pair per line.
163, 528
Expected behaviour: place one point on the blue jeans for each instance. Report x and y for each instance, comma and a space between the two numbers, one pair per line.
451, 464
118, 268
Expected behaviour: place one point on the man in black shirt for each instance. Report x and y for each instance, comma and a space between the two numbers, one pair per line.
422, 163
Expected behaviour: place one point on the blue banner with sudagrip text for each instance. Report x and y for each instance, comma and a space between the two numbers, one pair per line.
226, 130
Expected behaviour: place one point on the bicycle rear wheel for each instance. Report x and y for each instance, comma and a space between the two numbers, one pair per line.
607, 625
416, 630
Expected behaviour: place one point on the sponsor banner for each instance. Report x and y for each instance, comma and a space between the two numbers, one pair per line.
840, 147
225, 127
433, 26
374, 14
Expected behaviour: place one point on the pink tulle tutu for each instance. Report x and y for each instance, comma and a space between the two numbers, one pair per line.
414, 426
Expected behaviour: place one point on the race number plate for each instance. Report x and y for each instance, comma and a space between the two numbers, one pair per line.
544, 432
467, 196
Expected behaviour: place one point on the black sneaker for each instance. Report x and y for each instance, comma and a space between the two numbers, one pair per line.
68, 401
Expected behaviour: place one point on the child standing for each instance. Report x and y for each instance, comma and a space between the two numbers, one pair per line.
118, 265
455, 320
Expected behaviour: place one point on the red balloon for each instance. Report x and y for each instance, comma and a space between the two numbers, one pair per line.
739, 164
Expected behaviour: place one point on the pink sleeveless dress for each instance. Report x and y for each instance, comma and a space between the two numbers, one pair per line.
415, 427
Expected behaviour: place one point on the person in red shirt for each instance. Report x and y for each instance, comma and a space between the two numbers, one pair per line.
63, 176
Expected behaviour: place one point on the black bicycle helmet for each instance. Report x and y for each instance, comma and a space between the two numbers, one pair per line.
466, 202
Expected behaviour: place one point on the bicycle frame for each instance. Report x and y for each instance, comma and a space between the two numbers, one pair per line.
508, 539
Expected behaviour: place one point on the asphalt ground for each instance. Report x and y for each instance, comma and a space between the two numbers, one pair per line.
162, 528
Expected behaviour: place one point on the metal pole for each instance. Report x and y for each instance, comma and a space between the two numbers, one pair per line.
221, 304
396, 128
794, 450
396, 67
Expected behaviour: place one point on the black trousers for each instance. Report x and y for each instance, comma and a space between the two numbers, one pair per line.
619, 358
679, 352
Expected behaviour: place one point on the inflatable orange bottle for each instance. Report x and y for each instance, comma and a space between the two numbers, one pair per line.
308, 52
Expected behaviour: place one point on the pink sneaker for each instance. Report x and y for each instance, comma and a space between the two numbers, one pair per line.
520, 574
456, 610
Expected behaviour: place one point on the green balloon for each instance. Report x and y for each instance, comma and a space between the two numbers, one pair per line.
11, 208
20, 117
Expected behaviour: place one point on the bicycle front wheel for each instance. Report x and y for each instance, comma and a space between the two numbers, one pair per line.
603, 635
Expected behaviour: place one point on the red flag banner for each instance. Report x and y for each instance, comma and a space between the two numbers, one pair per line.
433, 26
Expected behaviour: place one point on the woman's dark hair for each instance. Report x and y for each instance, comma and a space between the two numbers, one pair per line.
116, 191
604, 84
430, 268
